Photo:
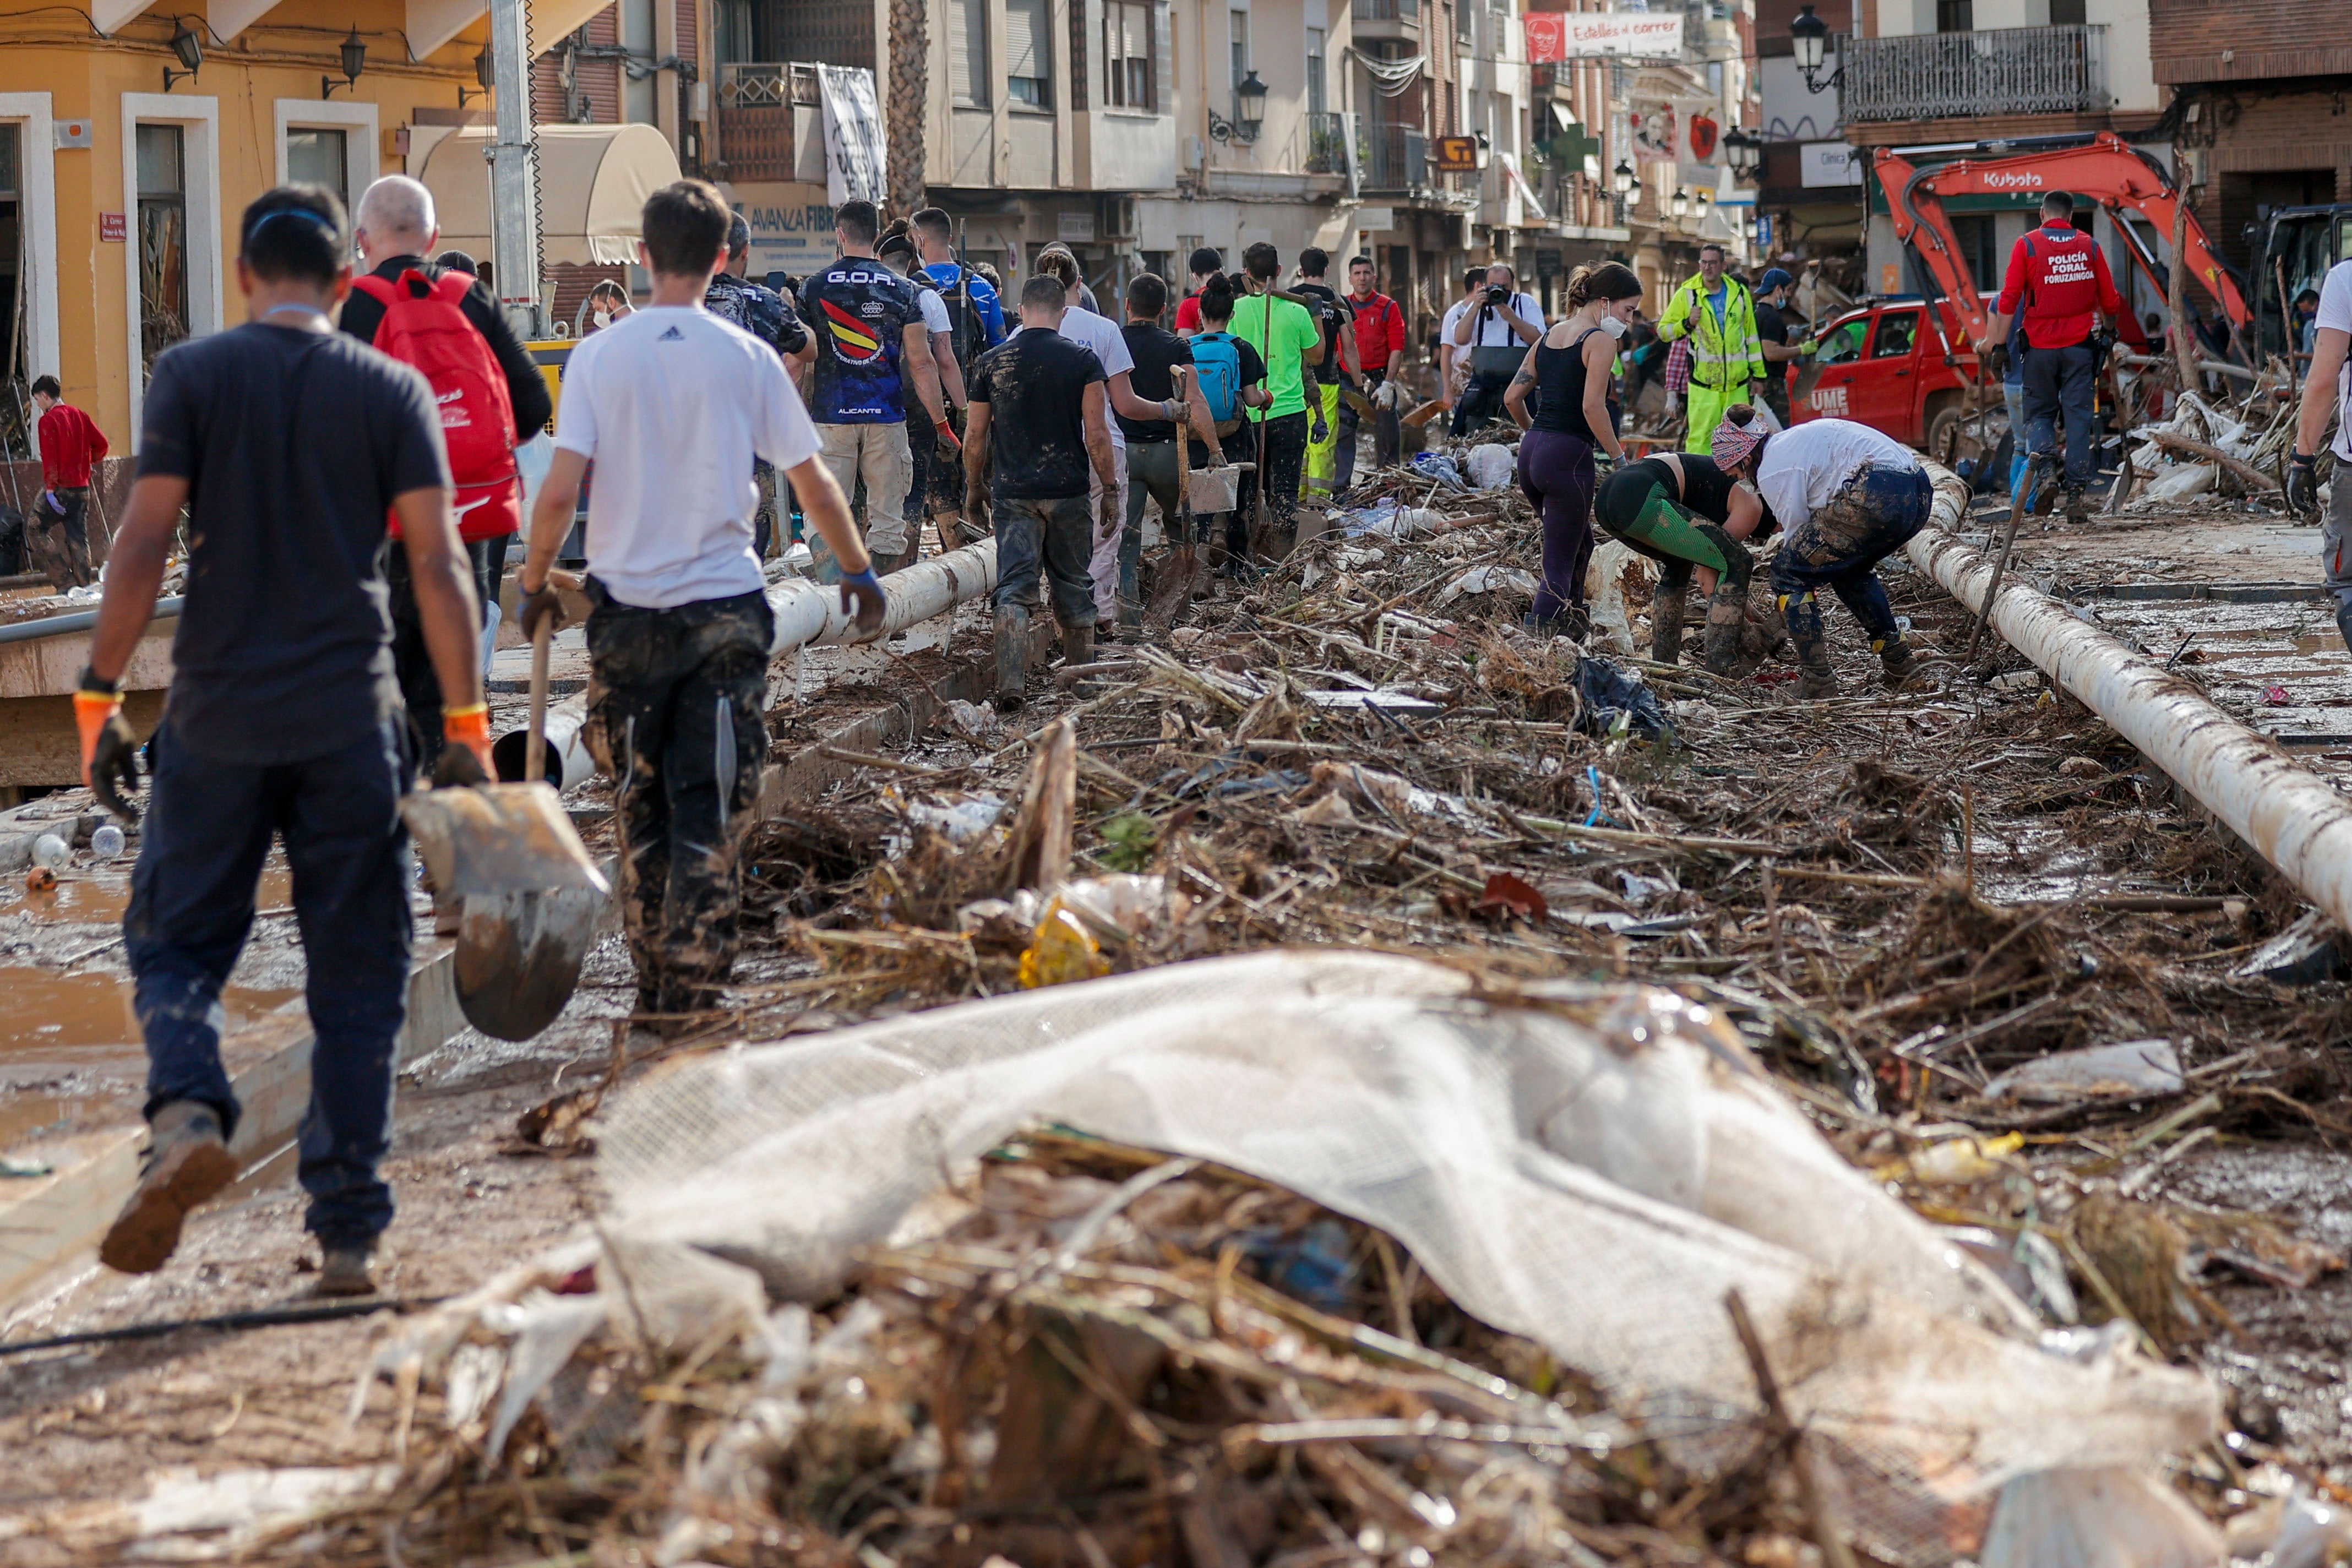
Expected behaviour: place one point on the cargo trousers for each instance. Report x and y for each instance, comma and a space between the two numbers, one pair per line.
676, 716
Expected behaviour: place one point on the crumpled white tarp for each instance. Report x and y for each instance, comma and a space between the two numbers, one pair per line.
1594, 1169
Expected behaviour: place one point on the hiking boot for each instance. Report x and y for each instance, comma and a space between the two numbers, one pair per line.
1897, 664
1537, 626
1667, 607
2044, 497
347, 1271
1077, 647
1011, 658
2071, 500
1816, 681
187, 1161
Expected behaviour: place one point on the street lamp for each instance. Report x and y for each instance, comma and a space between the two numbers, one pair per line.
1679, 204
485, 73
1249, 113
355, 53
1622, 179
1810, 36
1745, 150
191, 50
1705, 199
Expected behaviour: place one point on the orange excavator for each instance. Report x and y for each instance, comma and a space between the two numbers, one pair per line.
2106, 168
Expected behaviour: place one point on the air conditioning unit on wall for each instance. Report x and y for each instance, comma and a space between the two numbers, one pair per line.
1119, 220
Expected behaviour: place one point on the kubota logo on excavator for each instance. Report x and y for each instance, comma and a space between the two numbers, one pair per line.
2000, 181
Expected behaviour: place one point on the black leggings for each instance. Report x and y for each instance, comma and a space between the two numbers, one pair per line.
1284, 463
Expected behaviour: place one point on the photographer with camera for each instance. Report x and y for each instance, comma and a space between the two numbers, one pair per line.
1494, 331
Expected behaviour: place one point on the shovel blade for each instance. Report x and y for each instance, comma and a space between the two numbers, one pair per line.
518, 957
492, 840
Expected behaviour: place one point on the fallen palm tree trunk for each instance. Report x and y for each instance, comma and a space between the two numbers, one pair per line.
2292, 818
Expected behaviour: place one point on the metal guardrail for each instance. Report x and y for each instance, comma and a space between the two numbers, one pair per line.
1953, 75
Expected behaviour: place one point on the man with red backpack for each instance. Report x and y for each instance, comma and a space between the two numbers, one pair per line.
490, 395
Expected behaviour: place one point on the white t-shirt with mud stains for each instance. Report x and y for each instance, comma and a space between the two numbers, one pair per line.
1805, 466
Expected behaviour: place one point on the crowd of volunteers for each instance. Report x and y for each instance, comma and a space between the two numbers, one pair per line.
341, 472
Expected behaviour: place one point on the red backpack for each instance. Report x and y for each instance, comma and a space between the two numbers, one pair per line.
423, 326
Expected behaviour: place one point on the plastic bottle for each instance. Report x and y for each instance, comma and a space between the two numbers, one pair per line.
49, 850
106, 841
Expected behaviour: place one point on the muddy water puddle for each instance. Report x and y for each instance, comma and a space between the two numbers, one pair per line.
49, 1020
99, 897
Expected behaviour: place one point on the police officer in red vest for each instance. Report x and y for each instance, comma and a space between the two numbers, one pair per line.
2060, 275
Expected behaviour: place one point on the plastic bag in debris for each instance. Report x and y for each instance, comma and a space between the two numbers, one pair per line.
1492, 465
1594, 1173
1604, 597
1488, 579
2129, 1070
2106, 1517
1439, 466
1114, 908
1606, 693
2182, 480
1388, 520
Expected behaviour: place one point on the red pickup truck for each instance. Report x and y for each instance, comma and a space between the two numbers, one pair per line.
1882, 364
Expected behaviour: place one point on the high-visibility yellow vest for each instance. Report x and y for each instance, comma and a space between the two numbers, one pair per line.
1723, 353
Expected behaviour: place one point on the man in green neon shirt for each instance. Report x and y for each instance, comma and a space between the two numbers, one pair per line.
1284, 334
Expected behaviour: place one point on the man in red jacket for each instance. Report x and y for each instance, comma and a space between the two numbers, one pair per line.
2060, 275
1380, 344
57, 533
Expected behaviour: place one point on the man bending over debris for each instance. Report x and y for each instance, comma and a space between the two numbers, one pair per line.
673, 403
289, 441
1688, 516
1038, 414
1850, 497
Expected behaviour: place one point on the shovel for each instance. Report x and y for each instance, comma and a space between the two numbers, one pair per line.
1173, 590
531, 894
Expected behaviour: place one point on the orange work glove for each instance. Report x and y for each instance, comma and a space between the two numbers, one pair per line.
109, 748
466, 735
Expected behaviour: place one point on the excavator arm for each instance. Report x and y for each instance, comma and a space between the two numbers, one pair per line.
2106, 168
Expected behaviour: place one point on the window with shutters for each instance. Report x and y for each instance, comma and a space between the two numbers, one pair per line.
1318, 76
1237, 36
967, 52
1128, 50
1029, 53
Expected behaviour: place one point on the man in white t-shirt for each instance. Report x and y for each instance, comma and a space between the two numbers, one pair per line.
1495, 330
673, 403
2328, 389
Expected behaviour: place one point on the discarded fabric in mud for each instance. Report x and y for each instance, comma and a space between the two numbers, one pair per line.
1609, 694
1591, 1166
2130, 1069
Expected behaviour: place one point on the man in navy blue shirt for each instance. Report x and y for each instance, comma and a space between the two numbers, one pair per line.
869, 331
288, 442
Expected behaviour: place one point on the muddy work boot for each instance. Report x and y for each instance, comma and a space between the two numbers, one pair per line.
347, 1270
187, 1161
1011, 658
2071, 500
1897, 665
1802, 615
1727, 633
1077, 647
1667, 610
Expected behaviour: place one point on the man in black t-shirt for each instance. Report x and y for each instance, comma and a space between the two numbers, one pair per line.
1151, 459
288, 442
1339, 367
1774, 338
761, 311
1038, 417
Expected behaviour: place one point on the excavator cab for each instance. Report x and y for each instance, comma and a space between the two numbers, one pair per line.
2291, 250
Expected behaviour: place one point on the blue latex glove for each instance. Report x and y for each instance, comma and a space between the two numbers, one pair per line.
861, 596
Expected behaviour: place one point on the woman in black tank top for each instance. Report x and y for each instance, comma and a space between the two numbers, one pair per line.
1568, 369
1690, 517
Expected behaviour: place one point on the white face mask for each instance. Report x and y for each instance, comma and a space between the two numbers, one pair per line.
1614, 326
604, 319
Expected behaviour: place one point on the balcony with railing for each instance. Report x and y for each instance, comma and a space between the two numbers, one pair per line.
1378, 19
1957, 76
1327, 144
759, 102
1395, 159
